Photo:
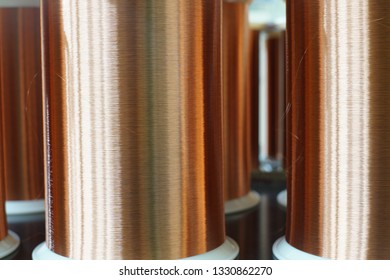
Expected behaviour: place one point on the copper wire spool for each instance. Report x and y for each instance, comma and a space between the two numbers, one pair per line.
253, 98
272, 101
236, 127
21, 130
338, 129
9, 241
133, 128
276, 95
3, 218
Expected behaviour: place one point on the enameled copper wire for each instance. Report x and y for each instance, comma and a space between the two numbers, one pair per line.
21, 129
338, 129
133, 98
253, 98
272, 100
3, 218
235, 70
275, 144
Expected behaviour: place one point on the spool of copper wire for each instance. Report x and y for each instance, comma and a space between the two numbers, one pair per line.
253, 98
267, 22
9, 241
133, 100
238, 196
274, 149
21, 106
338, 130
272, 101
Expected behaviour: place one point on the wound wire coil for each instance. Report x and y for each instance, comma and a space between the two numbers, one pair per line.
253, 97
132, 92
9, 241
338, 130
273, 151
3, 218
21, 129
235, 56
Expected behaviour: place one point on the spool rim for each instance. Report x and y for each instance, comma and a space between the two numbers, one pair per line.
241, 204
282, 250
23, 207
9, 244
282, 199
19, 3
227, 251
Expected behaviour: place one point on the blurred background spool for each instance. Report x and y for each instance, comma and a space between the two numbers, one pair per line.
253, 97
238, 195
133, 98
267, 21
21, 131
9, 241
338, 128
267, 18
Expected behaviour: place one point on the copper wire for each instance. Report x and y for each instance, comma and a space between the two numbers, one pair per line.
253, 97
235, 67
133, 128
3, 218
21, 130
338, 129
272, 100
276, 95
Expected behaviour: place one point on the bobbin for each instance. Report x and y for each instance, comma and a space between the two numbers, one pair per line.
23, 207
229, 250
338, 131
9, 244
268, 18
247, 202
136, 173
18, 205
282, 250
238, 196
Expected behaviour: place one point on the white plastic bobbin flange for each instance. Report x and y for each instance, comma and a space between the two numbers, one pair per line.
282, 199
282, 250
19, 3
23, 207
242, 204
227, 251
9, 244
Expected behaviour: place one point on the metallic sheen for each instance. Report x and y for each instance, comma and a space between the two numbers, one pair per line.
276, 106
3, 218
133, 119
338, 129
235, 69
21, 128
253, 87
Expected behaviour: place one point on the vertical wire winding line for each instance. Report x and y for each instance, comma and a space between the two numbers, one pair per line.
21, 128
338, 129
235, 67
133, 99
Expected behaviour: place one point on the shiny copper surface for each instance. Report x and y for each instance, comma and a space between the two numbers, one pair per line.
235, 67
134, 128
3, 220
253, 98
21, 105
276, 95
339, 134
